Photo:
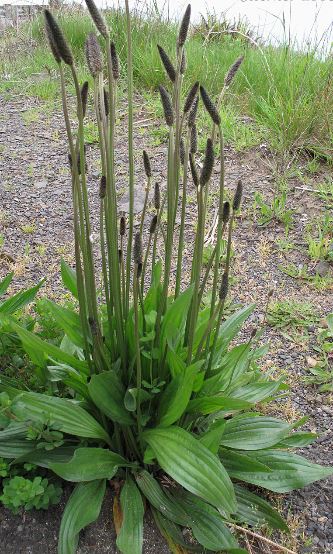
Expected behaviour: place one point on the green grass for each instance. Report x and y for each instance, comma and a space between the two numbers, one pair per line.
287, 93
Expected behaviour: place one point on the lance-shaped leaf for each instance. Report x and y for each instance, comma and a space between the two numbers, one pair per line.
89, 464
210, 404
65, 414
44, 458
19, 300
160, 499
69, 278
287, 471
130, 538
174, 320
176, 396
208, 526
254, 433
254, 510
4, 284
192, 465
108, 393
15, 447
256, 392
40, 351
173, 535
82, 508
68, 320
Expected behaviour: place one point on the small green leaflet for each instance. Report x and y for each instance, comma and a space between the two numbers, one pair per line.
176, 397
130, 538
4, 284
82, 508
209, 404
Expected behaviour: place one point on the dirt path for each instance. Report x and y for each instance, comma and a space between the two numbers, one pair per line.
36, 225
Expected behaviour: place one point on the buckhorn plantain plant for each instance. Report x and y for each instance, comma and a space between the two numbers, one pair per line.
146, 383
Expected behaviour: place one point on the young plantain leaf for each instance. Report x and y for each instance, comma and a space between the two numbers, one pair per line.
254, 511
68, 416
160, 499
192, 465
210, 404
174, 320
257, 391
287, 471
82, 508
108, 393
212, 437
15, 447
176, 397
130, 538
68, 320
89, 464
69, 278
19, 300
254, 433
4, 284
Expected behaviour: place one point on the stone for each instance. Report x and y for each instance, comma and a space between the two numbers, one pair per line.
323, 268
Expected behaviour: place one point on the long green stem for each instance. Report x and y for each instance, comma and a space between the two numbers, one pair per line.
130, 153
183, 215
143, 215
137, 346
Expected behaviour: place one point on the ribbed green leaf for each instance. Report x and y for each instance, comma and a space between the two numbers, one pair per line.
44, 458
192, 465
19, 300
287, 471
68, 416
254, 511
69, 278
253, 433
208, 527
40, 350
160, 499
256, 392
82, 508
298, 440
176, 397
14, 429
173, 535
173, 323
107, 392
236, 461
89, 464
210, 404
130, 538
68, 320
212, 438
233, 324
4, 284
15, 447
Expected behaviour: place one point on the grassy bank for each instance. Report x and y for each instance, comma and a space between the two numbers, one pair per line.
289, 95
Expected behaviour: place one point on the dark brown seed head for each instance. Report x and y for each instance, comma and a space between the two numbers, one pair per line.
114, 62
223, 292
167, 106
78, 161
137, 249
208, 163
146, 163
153, 224
52, 44
232, 71
97, 18
194, 172
157, 197
194, 139
57, 38
210, 106
182, 151
94, 55
84, 97
93, 326
120, 255
253, 332
122, 226
191, 96
193, 112
238, 196
183, 30
102, 187
168, 66
226, 212
106, 102
270, 293
183, 64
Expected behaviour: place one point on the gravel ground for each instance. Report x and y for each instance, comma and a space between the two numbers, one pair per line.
36, 223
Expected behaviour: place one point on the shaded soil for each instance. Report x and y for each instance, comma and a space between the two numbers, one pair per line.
36, 223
